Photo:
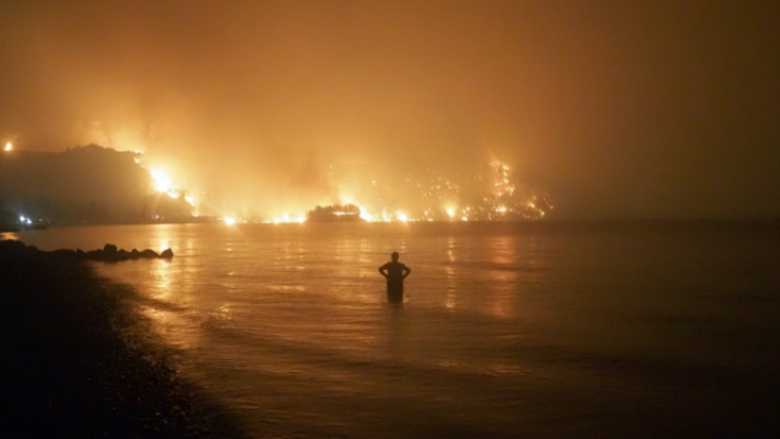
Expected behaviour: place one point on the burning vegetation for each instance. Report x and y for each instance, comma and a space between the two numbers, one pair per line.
99, 185
488, 194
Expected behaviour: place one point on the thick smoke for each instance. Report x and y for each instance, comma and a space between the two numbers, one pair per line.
612, 107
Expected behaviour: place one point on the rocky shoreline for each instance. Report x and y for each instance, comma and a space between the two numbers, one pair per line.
69, 372
110, 253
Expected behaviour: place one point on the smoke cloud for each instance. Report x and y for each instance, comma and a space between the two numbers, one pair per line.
615, 108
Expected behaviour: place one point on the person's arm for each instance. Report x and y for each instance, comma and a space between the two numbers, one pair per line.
407, 271
382, 270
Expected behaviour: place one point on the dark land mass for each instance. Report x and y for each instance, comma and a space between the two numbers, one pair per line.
110, 253
9, 221
84, 185
334, 213
68, 371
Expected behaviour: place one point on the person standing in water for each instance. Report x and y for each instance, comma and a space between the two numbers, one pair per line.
395, 273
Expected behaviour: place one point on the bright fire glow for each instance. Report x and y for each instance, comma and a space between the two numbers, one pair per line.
162, 182
365, 215
8, 146
488, 194
287, 219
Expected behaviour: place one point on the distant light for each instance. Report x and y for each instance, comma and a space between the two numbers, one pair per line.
8, 146
229, 221
28, 221
451, 212
465, 218
22, 218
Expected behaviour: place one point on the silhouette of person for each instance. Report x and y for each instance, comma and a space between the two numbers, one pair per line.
395, 273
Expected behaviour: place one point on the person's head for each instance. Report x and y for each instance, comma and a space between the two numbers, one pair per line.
394, 255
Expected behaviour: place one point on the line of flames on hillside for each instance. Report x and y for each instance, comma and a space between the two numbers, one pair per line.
488, 195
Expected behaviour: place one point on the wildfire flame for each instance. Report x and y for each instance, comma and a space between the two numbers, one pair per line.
488, 194
162, 181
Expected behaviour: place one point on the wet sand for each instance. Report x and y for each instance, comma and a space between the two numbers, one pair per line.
67, 371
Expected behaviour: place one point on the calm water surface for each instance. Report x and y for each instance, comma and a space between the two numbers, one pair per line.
507, 330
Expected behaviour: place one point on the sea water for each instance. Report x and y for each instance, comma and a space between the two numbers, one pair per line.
640, 329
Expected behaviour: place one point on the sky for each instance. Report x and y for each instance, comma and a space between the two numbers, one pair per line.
618, 109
